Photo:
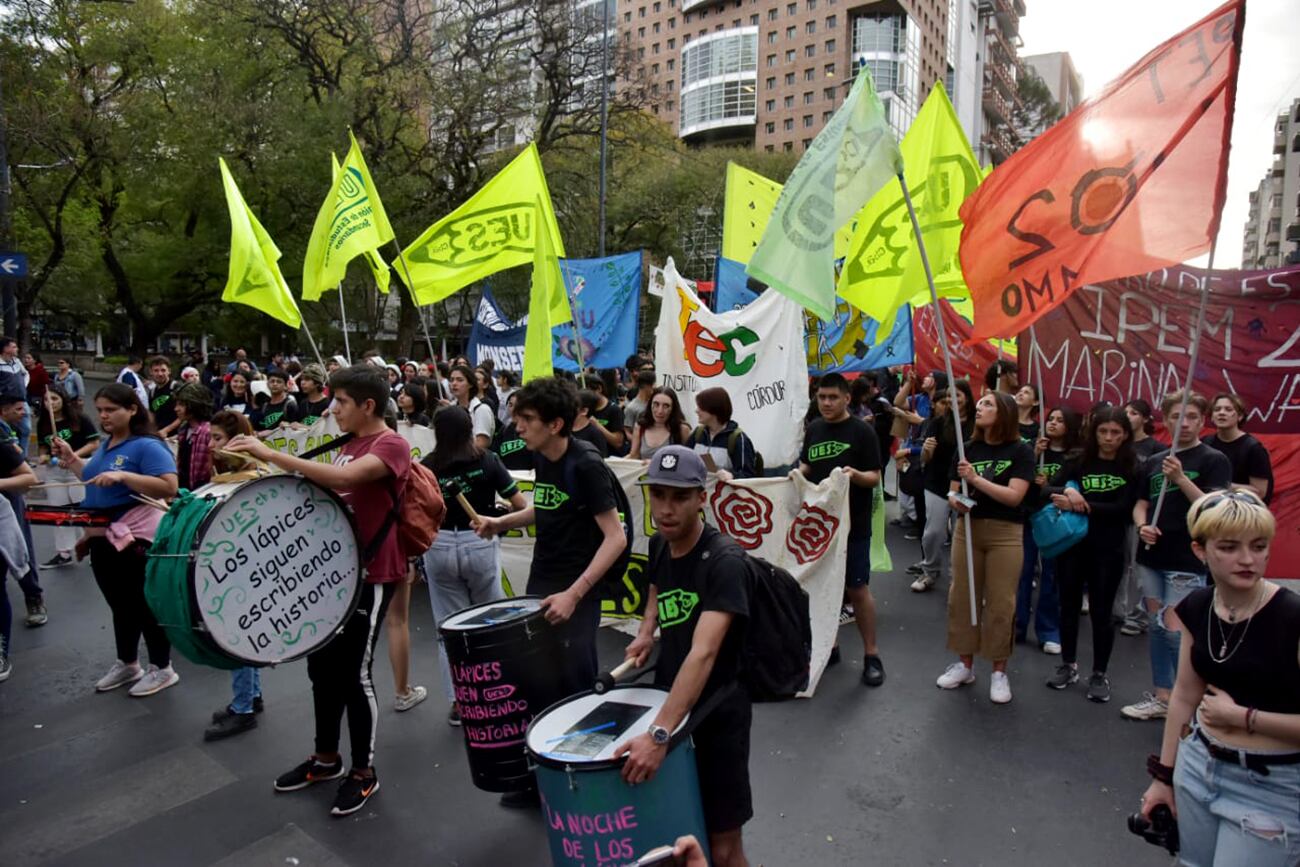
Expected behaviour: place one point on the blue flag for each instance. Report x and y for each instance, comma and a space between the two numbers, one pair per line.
605, 295
731, 286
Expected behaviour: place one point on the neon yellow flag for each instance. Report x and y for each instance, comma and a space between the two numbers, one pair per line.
883, 270
378, 267
351, 221
848, 162
493, 230
548, 303
747, 206
255, 278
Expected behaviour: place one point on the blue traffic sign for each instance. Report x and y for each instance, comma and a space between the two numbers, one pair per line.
13, 265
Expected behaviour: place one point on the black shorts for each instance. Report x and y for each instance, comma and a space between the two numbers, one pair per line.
722, 758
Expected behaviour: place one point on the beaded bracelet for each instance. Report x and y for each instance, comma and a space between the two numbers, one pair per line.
1160, 772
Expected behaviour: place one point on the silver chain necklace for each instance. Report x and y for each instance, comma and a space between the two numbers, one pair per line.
1224, 653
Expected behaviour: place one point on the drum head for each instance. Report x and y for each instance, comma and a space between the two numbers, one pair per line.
499, 613
277, 568
587, 729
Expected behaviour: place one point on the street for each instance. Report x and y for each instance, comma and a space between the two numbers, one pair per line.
903, 774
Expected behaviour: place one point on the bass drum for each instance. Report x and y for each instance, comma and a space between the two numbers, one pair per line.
254, 573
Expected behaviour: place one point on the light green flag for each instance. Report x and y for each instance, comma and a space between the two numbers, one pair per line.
883, 270
255, 277
548, 302
378, 267
351, 221
851, 158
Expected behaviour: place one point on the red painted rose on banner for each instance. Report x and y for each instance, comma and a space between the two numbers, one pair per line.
811, 533
742, 514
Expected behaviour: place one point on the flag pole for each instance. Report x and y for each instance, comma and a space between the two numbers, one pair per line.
343, 314
1187, 383
577, 329
315, 350
1037, 376
952, 391
419, 310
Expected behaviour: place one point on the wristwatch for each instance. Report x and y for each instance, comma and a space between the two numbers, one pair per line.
659, 735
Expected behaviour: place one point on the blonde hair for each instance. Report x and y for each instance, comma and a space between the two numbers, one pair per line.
1223, 514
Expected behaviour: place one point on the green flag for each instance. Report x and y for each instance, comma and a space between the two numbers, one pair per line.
378, 267
883, 270
255, 277
853, 156
548, 303
493, 230
350, 222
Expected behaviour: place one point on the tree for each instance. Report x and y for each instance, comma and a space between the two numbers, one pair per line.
1035, 110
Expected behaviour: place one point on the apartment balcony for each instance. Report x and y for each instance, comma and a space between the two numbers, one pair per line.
1002, 76
998, 143
995, 104
1279, 168
1000, 46
1293, 231
1007, 14
1279, 142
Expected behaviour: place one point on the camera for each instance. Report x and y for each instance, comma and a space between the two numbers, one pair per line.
1160, 830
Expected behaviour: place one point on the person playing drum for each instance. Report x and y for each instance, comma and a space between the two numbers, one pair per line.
699, 600
370, 472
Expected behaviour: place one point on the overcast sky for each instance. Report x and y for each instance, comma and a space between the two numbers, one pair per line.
1105, 37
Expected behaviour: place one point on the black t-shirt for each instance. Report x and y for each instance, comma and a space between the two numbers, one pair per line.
1053, 462
1247, 456
593, 436
712, 577
1110, 492
1148, 447
934, 474
418, 418
479, 480
610, 418
999, 463
512, 449
566, 504
74, 438
848, 443
163, 404
269, 415
310, 411
1210, 471
1029, 432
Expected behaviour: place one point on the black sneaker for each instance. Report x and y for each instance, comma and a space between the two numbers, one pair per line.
219, 715
257, 704
57, 561
353, 794
310, 771
453, 716
1098, 688
6, 667
915, 569
834, 658
230, 724
528, 799
1063, 676
36, 613
873, 672
912, 535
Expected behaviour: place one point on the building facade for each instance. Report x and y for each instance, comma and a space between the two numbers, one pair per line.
1272, 233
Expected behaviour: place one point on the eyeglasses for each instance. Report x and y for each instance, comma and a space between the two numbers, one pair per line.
1216, 499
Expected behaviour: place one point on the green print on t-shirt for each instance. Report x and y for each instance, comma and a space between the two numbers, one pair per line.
1102, 483
1192, 475
509, 447
1050, 470
999, 467
827, 450
676, 606
548, 496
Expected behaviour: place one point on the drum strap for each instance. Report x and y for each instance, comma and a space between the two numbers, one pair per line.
337, 443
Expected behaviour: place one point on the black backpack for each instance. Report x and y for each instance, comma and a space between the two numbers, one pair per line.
776, 658
697, 438
615, 574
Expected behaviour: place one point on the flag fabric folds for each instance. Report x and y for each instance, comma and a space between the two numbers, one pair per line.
493, 230
548, 302
851, 158
378, 267
747, 206
1131, 181
255, 277
883, 270
351, 222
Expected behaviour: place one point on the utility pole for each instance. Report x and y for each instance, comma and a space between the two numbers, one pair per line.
604, 123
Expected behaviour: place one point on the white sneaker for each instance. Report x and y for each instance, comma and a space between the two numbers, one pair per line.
954, 676
411, 698
1000, 688
1149, 707
922, 584
155, 680
119, 675
1052, 648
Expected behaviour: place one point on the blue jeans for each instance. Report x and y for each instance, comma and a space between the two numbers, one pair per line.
462, 570
1229, 815
1047, 618
1167, 588
246, 684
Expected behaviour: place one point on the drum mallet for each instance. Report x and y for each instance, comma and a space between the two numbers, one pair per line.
605, 682
459, 494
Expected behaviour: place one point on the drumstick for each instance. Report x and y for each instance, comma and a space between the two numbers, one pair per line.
606, 681
469, 510
150, 501
226, 453
43, 485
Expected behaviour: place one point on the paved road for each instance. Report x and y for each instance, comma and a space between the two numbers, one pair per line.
904, 774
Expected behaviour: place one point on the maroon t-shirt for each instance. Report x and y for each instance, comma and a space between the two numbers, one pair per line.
371, 503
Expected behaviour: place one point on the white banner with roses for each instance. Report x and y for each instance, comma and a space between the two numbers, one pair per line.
788, 522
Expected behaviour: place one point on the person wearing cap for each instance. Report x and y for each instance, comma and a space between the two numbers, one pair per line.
313, 403
192, 404
698, 599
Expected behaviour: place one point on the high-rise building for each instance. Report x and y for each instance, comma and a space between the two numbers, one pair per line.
772, 72
1058, 73
1000, 69
1272, 234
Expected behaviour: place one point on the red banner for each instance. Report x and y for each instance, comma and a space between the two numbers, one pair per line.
1129, 338
967, 360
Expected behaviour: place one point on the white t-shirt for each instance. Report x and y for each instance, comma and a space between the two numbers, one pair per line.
131, 378
481, 414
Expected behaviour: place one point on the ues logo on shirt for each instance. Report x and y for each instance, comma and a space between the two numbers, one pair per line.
827, 450
676, 606
999, 467
548, 496
1102, 483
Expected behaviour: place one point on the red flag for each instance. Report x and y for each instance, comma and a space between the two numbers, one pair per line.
1129, 182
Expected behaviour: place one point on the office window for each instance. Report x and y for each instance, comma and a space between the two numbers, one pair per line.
789, 55
771, 37
654, 70
810, 27
753, 20
656, 27
657, 7
812, 4
808, 97
830, 46
789, 78
771, 60
772, 14
654, 49
788, 124
830, 22
771, 84
769, 148
640, 13
770, 127
792, 9
627, 16
640, 33
829, 70
826, 116
671, 62
809, 75
672, 43
787, 146
807, 121
810, 51
806, 143
770, 105
827, 93
789, 100
789, 32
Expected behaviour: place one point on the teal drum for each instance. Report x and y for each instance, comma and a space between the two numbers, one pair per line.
254, 573
592, 816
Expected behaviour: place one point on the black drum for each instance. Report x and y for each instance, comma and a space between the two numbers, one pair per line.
505, 667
